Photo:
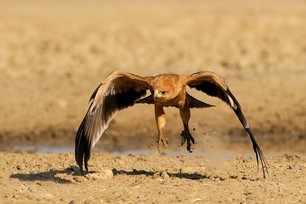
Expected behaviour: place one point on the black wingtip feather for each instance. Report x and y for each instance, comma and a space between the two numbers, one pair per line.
82, 148
259, 154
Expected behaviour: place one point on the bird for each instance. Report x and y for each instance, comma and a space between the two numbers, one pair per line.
121, 90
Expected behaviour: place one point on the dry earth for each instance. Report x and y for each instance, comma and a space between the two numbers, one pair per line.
53, 55
27, 178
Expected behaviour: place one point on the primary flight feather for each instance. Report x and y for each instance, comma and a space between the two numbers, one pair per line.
121, 90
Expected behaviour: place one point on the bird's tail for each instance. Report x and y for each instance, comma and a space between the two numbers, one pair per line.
195, 103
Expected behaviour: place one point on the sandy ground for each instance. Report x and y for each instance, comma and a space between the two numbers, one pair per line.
53, 55
150, 179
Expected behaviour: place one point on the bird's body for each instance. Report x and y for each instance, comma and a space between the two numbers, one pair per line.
121, 90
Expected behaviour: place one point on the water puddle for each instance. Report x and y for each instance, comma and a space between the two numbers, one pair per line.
42, 149
146, 152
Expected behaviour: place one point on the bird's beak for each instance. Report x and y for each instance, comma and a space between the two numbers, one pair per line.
157, 94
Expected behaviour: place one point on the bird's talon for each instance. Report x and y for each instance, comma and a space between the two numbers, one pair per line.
163, 141
187, 137
160, 142
192, 140
183, 141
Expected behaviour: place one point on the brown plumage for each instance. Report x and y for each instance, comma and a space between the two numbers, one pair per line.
121, 90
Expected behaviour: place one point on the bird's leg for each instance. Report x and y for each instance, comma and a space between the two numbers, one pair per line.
186, 135
160, 117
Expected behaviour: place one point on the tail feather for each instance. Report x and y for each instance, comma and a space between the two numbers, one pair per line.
195, 103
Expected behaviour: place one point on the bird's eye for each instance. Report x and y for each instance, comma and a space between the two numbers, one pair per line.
163, 92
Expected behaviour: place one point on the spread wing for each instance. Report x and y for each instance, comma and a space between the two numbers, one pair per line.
213, 85
120, 90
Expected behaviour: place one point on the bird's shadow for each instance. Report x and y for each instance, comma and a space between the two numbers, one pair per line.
191, 176
52, 175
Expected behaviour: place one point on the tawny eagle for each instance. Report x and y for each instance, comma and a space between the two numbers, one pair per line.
121, 90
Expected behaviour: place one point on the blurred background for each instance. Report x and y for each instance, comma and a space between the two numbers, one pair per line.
53, 54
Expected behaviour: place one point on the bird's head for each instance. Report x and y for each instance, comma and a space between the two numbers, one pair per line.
166, 87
